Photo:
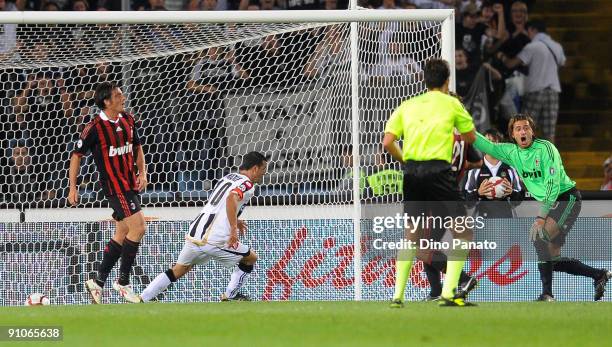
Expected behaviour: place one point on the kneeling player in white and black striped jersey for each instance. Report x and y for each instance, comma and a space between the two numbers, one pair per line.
214, 233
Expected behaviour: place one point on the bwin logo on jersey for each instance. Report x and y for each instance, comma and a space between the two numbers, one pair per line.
533, 174
127, 148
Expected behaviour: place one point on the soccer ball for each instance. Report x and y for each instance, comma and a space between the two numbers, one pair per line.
498, 188
37, 299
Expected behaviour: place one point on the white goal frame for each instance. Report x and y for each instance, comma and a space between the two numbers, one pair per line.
354, 16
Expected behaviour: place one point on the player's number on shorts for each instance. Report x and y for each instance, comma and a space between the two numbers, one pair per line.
218, 193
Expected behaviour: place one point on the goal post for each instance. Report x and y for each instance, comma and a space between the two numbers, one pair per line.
312, 89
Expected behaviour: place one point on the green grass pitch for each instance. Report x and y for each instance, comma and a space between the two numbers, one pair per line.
322, 324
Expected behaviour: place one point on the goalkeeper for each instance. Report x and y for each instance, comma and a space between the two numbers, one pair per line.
539, 163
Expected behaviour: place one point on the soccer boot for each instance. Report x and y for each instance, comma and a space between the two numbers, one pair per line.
546, 297
466, 287
600, 285
396, 303
127, 293
237, 297
94, 290
455, 302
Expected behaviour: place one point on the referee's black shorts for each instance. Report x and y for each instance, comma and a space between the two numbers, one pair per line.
430, 187
124, 205
565, 211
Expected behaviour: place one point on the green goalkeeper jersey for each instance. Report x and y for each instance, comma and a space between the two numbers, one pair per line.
539, 165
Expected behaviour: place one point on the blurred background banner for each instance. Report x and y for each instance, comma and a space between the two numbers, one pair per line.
300, 259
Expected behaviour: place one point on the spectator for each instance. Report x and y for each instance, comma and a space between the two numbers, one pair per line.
496, 33
396, 68
464, 72
304, 4
80, 5
408, 5
388, 5
21, 5
209, 5
202, 131
20, 185
20, 130
331, 4
262, 60
327, 53
468, 34
518, 33
41, 97
435, 4
479, 191
543, 57
45, 107
510, 102
270, 5
253, 5
607, 165
193, 5
149, 5
50, 6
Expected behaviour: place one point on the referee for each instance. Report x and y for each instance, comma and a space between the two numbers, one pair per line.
425, 124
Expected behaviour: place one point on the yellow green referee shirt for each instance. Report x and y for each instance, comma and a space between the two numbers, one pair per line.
426, 123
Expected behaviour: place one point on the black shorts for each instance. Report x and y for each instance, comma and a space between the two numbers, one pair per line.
124, 205
430, 187
565, 211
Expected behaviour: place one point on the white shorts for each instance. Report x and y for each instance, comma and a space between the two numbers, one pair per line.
192, 254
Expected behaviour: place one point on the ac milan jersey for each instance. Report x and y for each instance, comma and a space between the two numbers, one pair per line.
212, 225
112, 144
462, 153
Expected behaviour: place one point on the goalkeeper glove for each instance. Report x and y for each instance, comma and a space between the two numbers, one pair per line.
537, 231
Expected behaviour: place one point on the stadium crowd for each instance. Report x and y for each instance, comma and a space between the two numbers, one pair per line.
42, 109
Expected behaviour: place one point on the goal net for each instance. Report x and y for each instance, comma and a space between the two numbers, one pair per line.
311, 89
206, 93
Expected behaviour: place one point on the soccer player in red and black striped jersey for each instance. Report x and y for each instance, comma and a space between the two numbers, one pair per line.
112, 137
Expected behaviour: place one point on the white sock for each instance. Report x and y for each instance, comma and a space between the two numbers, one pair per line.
159, 284
236, 281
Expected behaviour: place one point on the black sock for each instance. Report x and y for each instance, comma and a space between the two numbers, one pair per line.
433, 276
112, 252
576, 267
130, 249
440, 265
464, 277
170, 275
546, 276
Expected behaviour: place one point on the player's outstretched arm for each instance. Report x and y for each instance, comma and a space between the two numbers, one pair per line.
500, 151
75, 165
469, 137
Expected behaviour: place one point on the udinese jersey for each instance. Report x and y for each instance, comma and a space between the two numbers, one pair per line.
113, 144
539, 166
212, 225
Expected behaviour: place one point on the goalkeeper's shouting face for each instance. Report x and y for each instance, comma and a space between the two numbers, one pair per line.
521, 128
